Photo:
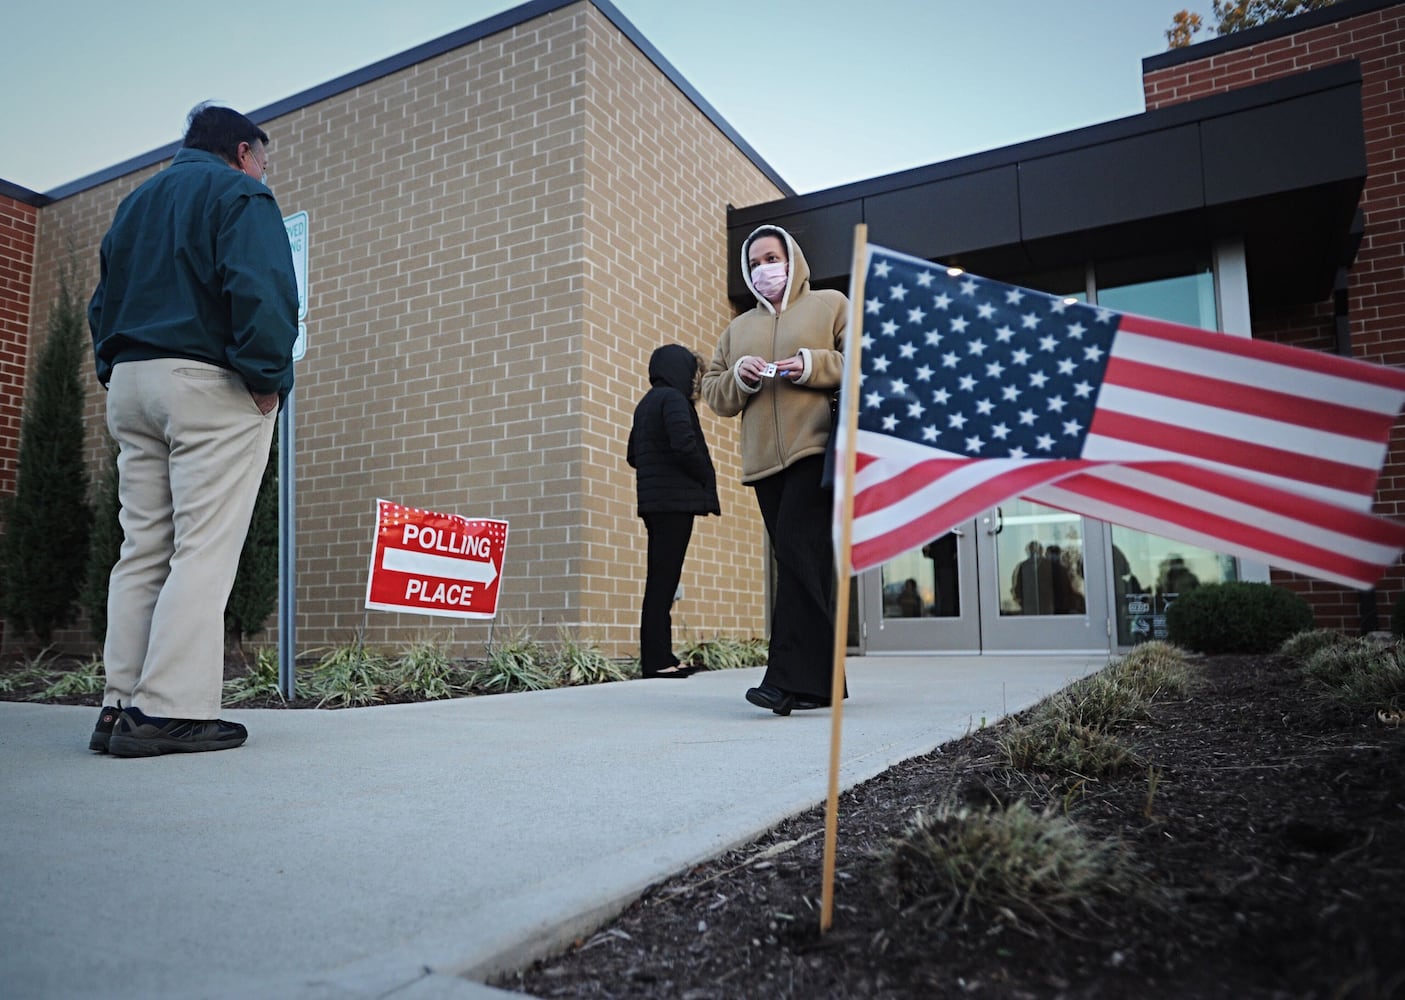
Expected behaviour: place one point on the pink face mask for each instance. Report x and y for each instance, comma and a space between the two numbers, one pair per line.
769, 279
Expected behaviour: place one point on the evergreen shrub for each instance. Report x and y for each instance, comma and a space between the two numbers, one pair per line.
44, 549
1397, 617
1236, 617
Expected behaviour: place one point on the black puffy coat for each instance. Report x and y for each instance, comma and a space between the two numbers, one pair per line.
672, 467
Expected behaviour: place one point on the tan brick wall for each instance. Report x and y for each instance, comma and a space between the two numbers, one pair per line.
479, 322
658, 178
1376, 289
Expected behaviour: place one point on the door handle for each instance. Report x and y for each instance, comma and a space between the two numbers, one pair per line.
999, 522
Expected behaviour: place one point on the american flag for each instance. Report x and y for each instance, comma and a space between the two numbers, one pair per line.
972, 392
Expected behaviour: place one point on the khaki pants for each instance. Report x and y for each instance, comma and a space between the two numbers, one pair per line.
193, 447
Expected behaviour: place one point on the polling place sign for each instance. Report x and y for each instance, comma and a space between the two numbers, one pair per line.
429, 563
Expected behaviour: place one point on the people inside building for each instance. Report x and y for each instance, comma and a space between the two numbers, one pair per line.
942, 552
1032, 583
1067, 598
193, 324
674, 483
776, 366
910, 599
1174, 578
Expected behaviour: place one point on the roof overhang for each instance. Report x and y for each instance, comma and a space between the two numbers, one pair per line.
1280, 165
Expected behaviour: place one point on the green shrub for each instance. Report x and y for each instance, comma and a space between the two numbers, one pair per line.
44, 545
1397, 617
253, 598
104, 546
1236, 617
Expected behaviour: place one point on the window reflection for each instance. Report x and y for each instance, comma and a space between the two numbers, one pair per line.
1040, 556
1150, 572
923, 583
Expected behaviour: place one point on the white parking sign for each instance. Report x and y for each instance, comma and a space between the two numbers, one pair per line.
296, 225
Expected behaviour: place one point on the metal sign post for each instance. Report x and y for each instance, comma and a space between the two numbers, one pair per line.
296, 226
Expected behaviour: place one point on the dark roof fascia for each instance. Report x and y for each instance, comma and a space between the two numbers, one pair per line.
428, 50
1185, 113
1340, 11
23, 195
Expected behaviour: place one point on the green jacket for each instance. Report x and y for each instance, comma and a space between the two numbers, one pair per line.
783, 420
197, 265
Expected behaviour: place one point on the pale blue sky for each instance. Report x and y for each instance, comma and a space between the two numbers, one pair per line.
826, 91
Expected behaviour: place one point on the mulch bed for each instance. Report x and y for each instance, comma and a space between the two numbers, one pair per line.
1275, 831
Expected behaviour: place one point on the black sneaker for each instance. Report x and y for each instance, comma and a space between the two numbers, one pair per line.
138, 735
103, 731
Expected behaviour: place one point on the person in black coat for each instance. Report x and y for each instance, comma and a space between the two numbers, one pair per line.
675, 481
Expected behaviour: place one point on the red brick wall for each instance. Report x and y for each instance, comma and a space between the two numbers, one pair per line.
1376, 285
19, 225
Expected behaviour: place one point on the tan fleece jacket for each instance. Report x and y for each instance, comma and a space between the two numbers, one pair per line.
783, 419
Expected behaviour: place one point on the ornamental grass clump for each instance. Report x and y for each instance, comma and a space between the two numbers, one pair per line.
87, 679
952, 863
724, 653
1155, 669
1067, 751
32, 670
1303, 645
1362, 673
1072, 736
349, 676
1104, 700
580, 661
518, 664
426, 672
261, 682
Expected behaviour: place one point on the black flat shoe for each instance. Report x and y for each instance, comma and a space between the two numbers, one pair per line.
766, 696
679, 672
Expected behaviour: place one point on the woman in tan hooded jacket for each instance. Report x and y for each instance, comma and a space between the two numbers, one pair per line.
777, 365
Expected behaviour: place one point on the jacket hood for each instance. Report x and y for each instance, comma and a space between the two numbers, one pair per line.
799, 279
675, 366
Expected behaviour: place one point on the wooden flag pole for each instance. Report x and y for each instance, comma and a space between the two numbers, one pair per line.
844, 496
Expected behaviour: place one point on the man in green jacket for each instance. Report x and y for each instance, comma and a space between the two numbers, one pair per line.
193, 324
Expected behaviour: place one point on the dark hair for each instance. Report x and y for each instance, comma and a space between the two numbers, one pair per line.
762, 233
220, 130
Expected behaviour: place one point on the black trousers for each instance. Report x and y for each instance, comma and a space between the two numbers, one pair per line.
797, 513
669, 535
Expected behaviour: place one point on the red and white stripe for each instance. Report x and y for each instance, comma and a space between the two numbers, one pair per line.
1259, 450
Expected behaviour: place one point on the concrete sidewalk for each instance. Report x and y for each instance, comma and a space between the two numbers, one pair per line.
419, 849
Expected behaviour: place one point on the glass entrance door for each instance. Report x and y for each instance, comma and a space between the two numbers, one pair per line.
1046, 587
1016, 579
925, 599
